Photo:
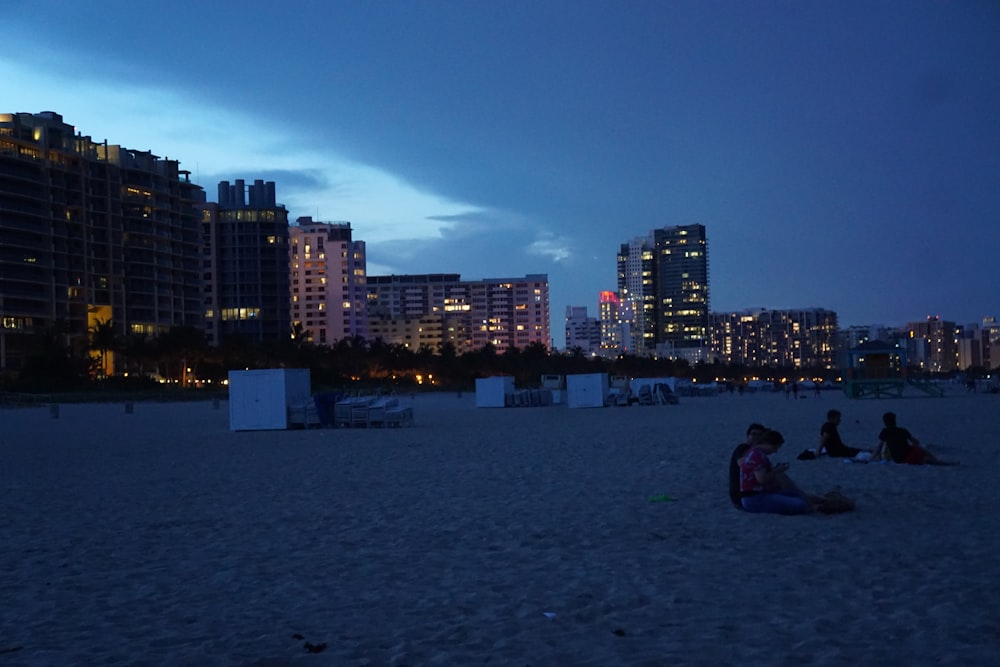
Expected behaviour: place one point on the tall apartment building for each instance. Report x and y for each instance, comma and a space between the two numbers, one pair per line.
933, 345
429, 331
504, 312
246, 264
796, 338
612, 324
637, 289
582, 332
328, 281
681, 287
91, 232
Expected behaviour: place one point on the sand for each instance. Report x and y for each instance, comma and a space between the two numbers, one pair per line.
519, 536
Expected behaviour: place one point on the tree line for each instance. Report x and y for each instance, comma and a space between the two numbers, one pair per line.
182, 357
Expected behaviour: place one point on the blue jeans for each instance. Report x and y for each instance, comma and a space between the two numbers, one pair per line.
780, 502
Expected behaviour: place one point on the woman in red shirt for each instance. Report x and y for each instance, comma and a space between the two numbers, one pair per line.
766, 488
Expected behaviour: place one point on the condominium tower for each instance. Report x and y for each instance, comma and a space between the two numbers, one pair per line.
91, 233
503, 312
681, 287
328, 286
637, 293
789, 338
246, 264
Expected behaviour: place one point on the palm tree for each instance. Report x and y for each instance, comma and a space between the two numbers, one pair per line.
180, 347
103, 339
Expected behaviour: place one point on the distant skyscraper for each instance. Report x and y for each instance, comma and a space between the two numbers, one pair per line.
681, 287
246, 257
933, 344
637, 291
91, 232
328, 281
611, 324
504, 312
582, 332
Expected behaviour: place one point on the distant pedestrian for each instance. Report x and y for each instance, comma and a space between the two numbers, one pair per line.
795, 389
816, 388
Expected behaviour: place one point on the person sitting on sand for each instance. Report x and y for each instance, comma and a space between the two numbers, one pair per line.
829, 439
766, 488
898, 444
754, 431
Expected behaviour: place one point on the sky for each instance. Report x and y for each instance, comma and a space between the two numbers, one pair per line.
841, 155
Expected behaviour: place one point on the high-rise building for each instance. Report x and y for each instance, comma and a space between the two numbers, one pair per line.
328, 281
681, 287
582, 332
609, 310
246, 264
933, 345
503, 312
91, 233
637, 290
792, 338
430, 331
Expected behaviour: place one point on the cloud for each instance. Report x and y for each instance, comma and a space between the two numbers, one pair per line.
555, 248
217, 143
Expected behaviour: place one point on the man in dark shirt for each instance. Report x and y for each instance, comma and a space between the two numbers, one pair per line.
902, 446
829, 438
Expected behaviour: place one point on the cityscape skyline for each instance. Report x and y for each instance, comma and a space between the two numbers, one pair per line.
100, 241
843, 156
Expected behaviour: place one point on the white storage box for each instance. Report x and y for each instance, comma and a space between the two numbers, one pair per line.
259, 399
492, 392
589, 390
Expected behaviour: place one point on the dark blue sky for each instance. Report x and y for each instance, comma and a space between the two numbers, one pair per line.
843, 155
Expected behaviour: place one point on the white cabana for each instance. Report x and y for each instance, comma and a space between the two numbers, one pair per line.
587, 390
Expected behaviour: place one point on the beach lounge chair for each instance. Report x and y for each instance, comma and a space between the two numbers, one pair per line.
376, 414
399, 416
359, 415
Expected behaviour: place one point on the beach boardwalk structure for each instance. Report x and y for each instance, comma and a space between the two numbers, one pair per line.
259, 400
587, 390
876, 369
492, 392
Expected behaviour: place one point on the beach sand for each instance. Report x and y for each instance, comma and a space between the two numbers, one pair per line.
519, 536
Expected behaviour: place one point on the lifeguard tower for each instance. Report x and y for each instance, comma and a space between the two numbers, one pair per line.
876, 369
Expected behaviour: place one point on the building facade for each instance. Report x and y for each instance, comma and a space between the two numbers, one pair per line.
681, 287
796, 338
329, 290
429, 332
91, 234
582, 332
932, 345
637, 291
246, 264
503, 312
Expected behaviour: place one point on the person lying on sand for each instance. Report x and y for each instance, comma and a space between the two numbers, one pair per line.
767, 488
897, 444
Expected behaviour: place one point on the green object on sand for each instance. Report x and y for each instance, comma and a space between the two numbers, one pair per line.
662, 498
